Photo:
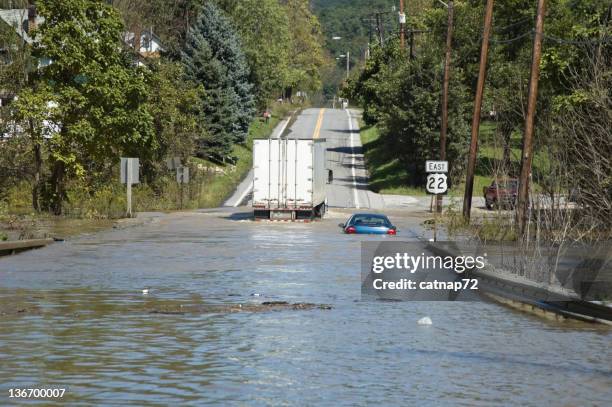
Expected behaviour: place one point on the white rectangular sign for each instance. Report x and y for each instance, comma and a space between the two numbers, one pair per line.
134, 164
436, 166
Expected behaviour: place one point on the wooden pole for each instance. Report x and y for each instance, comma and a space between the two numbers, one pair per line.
402, 26
380, 29
527, 154
447, 60
484, 50
411, 44
348, 64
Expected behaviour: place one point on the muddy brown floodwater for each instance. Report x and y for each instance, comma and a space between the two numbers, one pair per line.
245, 313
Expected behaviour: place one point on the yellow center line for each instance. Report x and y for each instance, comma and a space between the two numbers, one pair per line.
317, 131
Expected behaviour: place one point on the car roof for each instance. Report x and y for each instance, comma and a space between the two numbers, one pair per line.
373, 215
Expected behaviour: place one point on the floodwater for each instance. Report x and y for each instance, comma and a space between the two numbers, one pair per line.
73, 316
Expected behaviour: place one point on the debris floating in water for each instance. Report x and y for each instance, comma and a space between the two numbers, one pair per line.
145, 291
424, 321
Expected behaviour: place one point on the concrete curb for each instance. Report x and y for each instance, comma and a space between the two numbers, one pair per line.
12, 247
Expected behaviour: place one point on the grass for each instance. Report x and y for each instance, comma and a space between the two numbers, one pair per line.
387, 175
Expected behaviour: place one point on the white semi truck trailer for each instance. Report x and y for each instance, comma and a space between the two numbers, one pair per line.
289, 178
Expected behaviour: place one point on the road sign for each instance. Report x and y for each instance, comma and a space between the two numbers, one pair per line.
436, 166
173, 163
129, 175
129, 168
182, 175
437, 184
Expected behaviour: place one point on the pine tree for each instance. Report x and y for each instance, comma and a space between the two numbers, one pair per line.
213, 57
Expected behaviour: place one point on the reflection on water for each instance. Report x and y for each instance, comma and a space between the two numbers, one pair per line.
78, 319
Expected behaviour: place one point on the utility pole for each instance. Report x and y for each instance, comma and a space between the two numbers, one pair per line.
379, 28
484, 50
527, 155
348, 64
447, 61
402, 21
411, 44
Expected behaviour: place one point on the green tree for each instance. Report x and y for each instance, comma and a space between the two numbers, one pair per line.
306, 52
174, 104
264, 29
170, 20
34, 109
213, 58
403, 98
100, 94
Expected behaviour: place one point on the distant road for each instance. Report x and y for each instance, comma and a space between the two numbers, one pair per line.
349, 188
344, 157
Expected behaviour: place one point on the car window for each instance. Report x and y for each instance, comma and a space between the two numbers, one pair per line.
369, 220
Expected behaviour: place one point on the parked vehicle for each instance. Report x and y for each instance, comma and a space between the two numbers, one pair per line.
501, 193
289, 178
367, 223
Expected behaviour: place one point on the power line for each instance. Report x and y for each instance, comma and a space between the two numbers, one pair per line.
604, 40
518, 37
518, 22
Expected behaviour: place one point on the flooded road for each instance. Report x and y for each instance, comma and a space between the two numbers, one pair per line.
75, 317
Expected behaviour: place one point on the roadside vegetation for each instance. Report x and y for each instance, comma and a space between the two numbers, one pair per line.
387, 174
400, 95
569, 214
83, 94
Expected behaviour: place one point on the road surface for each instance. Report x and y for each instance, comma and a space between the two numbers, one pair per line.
344, 157
349, 189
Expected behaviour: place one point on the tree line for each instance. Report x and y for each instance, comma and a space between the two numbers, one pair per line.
80, 95
400, 94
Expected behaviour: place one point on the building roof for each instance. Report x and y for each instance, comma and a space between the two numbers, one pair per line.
18, 19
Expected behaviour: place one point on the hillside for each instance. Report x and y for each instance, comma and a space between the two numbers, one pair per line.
348, 19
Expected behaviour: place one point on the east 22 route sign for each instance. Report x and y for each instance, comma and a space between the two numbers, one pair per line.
437, 181
437, 184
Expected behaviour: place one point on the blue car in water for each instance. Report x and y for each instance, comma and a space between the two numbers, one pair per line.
369, 224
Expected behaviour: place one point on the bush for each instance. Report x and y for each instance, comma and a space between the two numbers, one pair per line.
19, 198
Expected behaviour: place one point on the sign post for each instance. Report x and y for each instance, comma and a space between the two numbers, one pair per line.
129, 172
437, 184
182, 177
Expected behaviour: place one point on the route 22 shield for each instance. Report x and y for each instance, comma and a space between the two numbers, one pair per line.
437, 184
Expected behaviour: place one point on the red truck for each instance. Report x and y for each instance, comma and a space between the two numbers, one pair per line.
501, 193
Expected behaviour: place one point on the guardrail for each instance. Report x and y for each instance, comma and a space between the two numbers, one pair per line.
529, 298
